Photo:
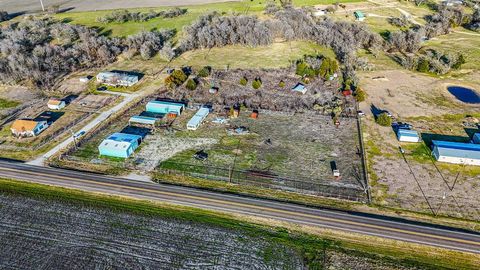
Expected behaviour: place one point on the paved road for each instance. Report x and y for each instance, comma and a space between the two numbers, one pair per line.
392, 228
28, 6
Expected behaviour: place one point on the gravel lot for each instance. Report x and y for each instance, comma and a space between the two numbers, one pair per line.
87, 5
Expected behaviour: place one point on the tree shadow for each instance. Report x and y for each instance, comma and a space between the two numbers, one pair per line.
429, 137
49, 116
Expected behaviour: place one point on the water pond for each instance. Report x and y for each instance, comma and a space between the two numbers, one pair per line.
464, 94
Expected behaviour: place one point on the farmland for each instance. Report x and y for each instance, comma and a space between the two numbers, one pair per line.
102, 231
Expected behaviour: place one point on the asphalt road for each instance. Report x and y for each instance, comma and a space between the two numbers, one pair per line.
387, 227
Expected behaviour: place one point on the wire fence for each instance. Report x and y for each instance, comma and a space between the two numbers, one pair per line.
317, 187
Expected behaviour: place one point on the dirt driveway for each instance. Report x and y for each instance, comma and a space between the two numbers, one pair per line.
29, 6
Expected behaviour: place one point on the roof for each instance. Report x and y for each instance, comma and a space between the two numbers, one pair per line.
358, 14
456, 149
143, 120
168, 103
198, 117
299, 87
55, 101
24, 125
120, 75
119, 141
407, 132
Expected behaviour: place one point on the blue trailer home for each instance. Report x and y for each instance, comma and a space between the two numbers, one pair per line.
456, 152
120, 145
165, 107
407, 135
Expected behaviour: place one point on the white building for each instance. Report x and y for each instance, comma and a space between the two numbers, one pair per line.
198, 118
457, 153
117, 78
56, 104
407, 135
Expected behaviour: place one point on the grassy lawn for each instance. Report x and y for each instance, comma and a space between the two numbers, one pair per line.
310, 242
125, 29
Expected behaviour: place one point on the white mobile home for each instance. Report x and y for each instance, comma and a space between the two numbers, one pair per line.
198, 118
117, 78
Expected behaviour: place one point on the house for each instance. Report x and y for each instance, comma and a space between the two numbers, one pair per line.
117, 78
165, 107
28, 128
300, 88
56, 104
359, 16
407, 135
476, 138
457, 153
198, 118
120, 145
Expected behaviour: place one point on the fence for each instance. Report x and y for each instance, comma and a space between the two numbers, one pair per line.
261, 179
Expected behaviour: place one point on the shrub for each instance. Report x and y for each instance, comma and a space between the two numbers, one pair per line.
205, 72
423, 65
257, 83
281, 84
191, 84
384, 120
460, 61
243, 81
360, 95
179, 77
4, 16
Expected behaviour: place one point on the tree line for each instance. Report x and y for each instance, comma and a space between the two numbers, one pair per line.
122, 16
39, 51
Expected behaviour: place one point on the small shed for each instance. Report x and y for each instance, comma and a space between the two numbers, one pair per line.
120, 145
476, 138
165, 107
198, 118
300, 88
56, 104
407, 135
359, 16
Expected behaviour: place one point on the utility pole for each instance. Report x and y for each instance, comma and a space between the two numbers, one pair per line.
43, 7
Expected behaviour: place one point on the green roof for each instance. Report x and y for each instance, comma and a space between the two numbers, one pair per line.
359, 14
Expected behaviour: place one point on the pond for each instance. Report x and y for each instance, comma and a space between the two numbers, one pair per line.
464, 94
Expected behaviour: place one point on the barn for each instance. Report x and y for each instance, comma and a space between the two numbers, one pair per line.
457, 153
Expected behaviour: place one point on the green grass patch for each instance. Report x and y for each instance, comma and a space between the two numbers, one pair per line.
6, 104
88, 18
310, 246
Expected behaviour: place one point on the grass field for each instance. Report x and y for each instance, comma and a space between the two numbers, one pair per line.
312, 244
124, 29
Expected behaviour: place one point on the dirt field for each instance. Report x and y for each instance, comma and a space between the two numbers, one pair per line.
40, 234
409, 94
90, 5
425, 103
297, 146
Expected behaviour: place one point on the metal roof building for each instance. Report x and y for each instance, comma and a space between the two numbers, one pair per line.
117, 78
198, 118
165, 107
300, 88
407, 135
455, 152
120, 145
142, 120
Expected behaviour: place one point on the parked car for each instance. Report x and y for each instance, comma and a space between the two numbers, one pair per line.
102, 88
201, 155
79, 134
360, 113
